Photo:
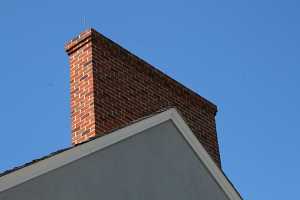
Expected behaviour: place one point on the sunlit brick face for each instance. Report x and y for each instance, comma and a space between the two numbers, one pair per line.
82, 89
110, 87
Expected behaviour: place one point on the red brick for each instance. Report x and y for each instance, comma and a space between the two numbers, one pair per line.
111, 87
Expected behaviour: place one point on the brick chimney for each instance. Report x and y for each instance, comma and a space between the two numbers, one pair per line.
111, 87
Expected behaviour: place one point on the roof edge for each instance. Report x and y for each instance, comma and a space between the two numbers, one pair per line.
39, 168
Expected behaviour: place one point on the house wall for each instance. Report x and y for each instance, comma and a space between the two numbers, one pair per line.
155, 164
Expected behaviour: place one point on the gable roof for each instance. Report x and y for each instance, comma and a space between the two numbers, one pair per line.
70, 155
6, 172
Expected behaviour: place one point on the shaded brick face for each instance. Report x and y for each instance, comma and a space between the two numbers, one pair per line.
110, 87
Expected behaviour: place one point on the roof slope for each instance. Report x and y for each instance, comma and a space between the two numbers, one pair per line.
70, 155
65, 149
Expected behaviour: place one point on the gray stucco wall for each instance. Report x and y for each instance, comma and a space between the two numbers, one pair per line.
157, 164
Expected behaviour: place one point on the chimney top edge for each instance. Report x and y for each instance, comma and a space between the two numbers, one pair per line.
71, 45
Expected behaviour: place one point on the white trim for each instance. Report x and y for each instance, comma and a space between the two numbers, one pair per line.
213, 169
36, 169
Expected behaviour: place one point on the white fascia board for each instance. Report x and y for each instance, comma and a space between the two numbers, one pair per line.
202, 154
39, 168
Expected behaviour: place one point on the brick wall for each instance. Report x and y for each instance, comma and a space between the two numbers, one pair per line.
111, 87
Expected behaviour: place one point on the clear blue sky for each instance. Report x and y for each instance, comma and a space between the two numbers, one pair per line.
242, 55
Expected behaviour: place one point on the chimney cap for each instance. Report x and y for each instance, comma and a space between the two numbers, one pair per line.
79, 40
